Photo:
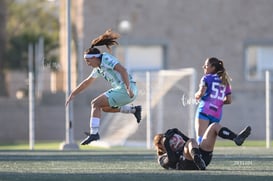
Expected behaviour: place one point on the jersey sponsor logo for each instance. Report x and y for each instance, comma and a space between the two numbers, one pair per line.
214, 108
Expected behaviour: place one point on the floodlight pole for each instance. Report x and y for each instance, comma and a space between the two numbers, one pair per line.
267, 108
69, 137
31, 97
148, 105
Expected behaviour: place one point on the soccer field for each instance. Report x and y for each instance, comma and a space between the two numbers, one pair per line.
242, 163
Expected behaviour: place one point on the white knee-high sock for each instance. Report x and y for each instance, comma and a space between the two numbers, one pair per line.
94, 125
127, 109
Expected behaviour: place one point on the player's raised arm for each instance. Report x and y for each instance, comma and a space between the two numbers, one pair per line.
83, 85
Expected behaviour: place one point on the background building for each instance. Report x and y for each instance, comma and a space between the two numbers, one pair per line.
170, 34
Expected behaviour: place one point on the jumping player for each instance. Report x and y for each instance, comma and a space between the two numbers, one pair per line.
123, 91
214, 91
191, 156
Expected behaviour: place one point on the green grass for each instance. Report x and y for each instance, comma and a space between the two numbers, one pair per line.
55, 145
133, 165
248, 143
41, 145
120, 163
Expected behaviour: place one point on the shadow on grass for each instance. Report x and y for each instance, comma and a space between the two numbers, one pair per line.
188, 176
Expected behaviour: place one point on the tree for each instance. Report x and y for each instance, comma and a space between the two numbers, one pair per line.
3, 15
27, 21
23, 22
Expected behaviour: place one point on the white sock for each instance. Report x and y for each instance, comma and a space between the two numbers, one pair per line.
127, 109
94, 125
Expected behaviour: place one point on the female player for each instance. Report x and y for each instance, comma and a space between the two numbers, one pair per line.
214, 91
123, 91
185, 154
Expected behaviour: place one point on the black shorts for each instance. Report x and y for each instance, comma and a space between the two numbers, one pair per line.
190, 165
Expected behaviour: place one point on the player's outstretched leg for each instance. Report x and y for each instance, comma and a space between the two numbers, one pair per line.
90, 138
240, 138
136, 110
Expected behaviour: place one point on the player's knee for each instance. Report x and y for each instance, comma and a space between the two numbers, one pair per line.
94, 104
214, 126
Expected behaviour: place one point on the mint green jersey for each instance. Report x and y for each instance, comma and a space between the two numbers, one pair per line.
106, 70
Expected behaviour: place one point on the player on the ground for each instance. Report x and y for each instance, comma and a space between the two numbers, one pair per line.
185, 154
123, 91
214, 91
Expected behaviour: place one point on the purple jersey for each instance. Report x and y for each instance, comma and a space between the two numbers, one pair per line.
212, 101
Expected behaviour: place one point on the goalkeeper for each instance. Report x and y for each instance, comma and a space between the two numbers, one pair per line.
123, 91
191, 156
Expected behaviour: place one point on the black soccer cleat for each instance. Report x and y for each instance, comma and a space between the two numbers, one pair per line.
90, 138
239, 140
199, 162
138, 113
